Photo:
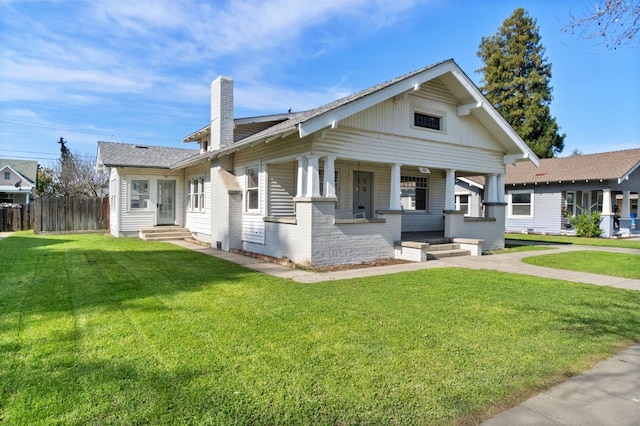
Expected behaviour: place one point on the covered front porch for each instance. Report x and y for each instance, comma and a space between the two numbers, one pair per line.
344, 211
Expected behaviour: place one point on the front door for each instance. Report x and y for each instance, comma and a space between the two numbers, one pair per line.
166, 202
362, 194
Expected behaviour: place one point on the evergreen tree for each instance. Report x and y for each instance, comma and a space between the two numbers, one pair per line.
516, 81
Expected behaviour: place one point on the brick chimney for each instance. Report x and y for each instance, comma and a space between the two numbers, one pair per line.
221, 112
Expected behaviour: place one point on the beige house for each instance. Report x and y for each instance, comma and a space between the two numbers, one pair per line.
347, 182
18, 181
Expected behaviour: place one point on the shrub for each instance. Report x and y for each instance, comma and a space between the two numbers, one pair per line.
587, 224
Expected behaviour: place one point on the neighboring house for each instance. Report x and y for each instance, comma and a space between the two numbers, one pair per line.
338, 184
18, 181
543, 199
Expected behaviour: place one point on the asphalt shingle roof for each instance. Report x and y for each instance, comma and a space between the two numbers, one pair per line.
295, 119
605, 165
116, 154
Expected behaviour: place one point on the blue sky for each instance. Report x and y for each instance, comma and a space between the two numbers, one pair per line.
139, 71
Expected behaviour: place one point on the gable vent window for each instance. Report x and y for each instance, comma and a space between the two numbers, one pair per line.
427, 121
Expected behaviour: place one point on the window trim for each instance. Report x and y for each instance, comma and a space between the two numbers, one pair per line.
441, 115
572, 212
196, 193
511, 204
460, 203
130, 195
427, 203
250, 189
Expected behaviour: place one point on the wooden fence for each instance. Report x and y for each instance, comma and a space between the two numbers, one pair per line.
16, 217
71, 214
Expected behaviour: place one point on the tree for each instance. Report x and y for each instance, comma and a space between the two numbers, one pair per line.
575, 152
47, 186
616, 22
74, 177
517, 82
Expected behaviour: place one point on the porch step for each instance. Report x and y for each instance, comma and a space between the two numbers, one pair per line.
441, 254
164, 233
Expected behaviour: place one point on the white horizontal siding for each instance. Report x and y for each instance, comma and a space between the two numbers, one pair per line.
198, 221
132, 220
365, 146
282, 189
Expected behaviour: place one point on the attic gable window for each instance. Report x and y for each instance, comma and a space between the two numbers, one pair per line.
427, 121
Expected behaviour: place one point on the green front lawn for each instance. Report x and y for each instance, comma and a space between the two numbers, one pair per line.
601, 242
120, 331
595, 262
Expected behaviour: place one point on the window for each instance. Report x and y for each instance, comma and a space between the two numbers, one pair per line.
596, 198
521, 203
139, 194
427, 121
6, 197
253, 188
570, 203
335, 181
201, 193
113, 189
195, 197
7, 175
413, 192
462, 203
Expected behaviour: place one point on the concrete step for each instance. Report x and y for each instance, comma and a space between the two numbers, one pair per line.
164, 233
441, 254
445, 246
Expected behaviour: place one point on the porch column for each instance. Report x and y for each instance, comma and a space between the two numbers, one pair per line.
606, 222
394, 193
500, 188
450, 190
490, 188
625, 213
313, 176
606, 202
329, 183
302, 177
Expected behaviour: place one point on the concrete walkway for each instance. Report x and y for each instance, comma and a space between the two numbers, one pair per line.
609, 394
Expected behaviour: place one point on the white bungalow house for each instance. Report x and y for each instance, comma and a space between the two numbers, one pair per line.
339, 184
543, 199
18, 181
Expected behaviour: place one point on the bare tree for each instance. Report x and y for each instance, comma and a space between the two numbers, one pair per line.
76, 177
615, 22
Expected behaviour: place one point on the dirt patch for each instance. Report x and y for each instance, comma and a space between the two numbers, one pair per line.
370, 264
289, 264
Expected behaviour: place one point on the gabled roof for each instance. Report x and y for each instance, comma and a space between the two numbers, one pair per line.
26, 168
614, 165
116, 154
20, 184
307, 122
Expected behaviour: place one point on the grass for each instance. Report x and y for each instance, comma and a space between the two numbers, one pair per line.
513, 248
97, 330
595, 262
600, 242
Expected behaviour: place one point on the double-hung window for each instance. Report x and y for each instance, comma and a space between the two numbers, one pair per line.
252, 191
139, 194
462, 203
414, 191
521, 203
195, 201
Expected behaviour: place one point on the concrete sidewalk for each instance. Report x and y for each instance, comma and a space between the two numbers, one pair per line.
507, 262
609, 394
